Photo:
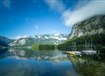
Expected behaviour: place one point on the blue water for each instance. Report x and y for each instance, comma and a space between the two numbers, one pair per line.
21, 62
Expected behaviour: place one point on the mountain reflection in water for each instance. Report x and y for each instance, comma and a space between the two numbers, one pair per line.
19, 62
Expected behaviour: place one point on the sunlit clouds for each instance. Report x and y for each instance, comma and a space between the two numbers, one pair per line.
84, 9
91, 9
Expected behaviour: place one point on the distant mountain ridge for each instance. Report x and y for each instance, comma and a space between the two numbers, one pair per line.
4, 41
40, 39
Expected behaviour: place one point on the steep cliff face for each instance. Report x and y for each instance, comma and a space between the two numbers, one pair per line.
93, 25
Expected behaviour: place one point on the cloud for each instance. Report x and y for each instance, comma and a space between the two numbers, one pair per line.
55, 33
18, 37
56, 5
81, 3
91, 9
83, 10
36, 27
7, 3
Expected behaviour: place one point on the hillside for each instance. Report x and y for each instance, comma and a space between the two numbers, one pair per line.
85, 35
4, 41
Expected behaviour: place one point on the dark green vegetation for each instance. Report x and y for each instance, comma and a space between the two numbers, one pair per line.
46, 47
35, 47
43, 47
96, 42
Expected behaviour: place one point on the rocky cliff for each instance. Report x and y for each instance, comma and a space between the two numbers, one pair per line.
93, 25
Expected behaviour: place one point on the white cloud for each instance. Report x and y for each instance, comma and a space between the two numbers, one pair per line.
91, 9
56, 5
36, 27
55, 33
7, 3
18, 37
83, 10
81, 3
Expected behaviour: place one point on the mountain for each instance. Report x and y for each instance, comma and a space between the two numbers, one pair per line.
91, 26
4, 41
50, 39
40, 39
25, 41
86, 35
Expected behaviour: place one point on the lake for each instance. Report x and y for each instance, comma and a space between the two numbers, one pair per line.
25, 62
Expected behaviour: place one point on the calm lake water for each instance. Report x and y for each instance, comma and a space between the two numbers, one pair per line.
25, 62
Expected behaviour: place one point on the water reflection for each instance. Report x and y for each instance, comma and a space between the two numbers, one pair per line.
38, 55
4, 53
24, 62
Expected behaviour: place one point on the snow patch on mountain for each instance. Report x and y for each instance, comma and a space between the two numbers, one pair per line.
58, 38
41, 39
22, 42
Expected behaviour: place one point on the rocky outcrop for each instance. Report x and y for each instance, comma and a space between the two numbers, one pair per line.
93, 25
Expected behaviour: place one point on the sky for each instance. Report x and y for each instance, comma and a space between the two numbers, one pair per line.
30, 17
